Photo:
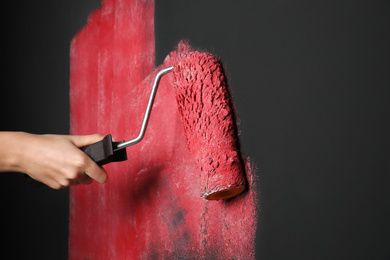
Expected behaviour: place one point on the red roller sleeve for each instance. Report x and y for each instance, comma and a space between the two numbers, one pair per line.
204, 105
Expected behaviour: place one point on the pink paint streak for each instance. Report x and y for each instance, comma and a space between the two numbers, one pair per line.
150, 208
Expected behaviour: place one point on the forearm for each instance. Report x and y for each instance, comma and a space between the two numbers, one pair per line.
10, 151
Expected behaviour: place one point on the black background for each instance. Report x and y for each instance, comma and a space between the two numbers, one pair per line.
310, 83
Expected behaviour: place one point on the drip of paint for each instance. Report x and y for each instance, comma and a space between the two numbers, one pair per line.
204, 105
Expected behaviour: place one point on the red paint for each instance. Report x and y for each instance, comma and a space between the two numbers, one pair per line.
150, 207
204, 105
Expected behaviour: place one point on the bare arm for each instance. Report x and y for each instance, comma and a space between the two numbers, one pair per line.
54, 160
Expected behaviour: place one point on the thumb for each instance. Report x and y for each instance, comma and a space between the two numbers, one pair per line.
83, 140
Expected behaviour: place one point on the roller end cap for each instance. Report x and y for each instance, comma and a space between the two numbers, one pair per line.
223, 194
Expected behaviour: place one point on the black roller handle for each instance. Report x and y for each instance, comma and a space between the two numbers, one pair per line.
104, 151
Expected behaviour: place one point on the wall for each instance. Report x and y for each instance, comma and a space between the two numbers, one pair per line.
309, 82
311, 85
35, 98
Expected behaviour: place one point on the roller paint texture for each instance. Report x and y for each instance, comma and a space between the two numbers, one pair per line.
204, 105
150, 207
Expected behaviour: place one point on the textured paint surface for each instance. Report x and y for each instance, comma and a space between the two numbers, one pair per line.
204, 105
151, 206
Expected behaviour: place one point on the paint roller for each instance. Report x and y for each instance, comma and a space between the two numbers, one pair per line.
207, 117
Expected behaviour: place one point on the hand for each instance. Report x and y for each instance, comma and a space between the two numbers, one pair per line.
54, 160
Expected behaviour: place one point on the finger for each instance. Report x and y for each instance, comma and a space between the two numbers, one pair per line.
73, 183
96, 172
84, 179
83, 140
76, 182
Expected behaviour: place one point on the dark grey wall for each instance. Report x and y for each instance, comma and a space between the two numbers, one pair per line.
34, 97
310, 80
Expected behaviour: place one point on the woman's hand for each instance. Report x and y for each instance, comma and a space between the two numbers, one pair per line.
54, 160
